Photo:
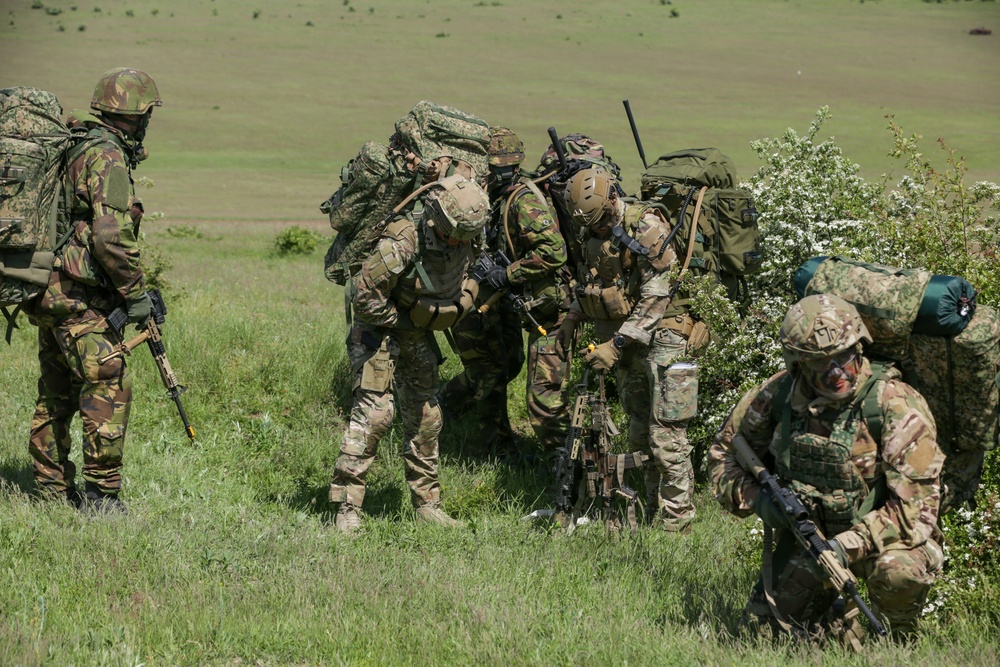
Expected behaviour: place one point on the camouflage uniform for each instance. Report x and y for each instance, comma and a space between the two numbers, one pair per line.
391, 347
97, 271
834, 463
628, 295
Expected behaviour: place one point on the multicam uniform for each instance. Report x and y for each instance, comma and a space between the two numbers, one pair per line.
96, 272
411, 285
629, 294
878, 497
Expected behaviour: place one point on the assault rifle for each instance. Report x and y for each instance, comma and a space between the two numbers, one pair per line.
483, 266
151, 335
588, 464
806, 532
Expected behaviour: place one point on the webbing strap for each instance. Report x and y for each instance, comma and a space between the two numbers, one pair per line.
11, 320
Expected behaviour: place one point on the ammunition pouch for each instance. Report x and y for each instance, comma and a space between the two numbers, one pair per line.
608, 303
435, 314
699, 337
376, 374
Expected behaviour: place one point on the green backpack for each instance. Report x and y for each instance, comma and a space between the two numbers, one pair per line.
676, 180
433, 131
946, 345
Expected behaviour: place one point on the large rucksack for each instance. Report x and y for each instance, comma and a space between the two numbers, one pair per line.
33, 146
946, 346
430, 143
729, 227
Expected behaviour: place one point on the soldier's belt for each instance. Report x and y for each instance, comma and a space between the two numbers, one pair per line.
680, 324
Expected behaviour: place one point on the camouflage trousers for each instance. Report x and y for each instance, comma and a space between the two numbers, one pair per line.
384, 361
547, 390
898, 580
491, 346
72, 381
660, 396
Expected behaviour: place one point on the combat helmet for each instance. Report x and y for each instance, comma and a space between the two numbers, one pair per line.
126, 91
458, 207
506, 149
589, 194
820, 326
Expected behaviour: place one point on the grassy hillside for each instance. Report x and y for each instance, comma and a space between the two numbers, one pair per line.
261, 112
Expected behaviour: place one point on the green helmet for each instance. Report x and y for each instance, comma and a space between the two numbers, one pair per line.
505, 148
588, 194
820, 326
126, 91
458, 207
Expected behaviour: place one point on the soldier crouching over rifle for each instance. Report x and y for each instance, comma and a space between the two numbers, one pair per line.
856, 452
412, 284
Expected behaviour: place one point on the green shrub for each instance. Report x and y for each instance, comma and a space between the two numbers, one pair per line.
295, 240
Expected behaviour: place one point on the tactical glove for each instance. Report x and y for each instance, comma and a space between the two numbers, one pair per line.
139, 310
838, 549
603, 357
564, 337
850, 546
769, 513
497, 278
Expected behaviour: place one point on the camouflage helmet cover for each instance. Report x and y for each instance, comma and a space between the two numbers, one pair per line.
506, 148
819, 326
126, 91
458, 207
589, 196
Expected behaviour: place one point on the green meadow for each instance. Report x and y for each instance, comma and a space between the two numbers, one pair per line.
228, 555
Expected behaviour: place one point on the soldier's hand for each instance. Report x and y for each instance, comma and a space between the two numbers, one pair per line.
564, 337
769, 513
497, 278
136, 211
139, 310
603, 357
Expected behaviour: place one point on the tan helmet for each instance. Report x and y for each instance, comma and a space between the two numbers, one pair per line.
589, 196
458, 207
506, 149
126, 91
820, 326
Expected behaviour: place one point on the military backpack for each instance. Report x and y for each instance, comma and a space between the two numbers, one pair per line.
945, 345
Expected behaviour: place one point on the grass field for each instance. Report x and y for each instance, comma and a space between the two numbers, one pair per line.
228, 556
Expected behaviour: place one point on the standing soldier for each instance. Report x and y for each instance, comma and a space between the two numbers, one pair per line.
641, 319
858, 447
97, 271
413, 283
522, 228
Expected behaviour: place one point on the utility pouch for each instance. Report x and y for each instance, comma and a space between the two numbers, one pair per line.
376, 374
434, 314
699, 337
592, 303
615, 303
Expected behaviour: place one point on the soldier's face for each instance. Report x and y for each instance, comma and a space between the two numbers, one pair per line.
834, 376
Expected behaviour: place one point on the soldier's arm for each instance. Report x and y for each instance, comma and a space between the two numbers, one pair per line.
393, 255
115, 246
540, 245
654, 287
912, 462
734, 487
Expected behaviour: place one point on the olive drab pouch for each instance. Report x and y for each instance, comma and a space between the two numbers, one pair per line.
376, 374
372, 183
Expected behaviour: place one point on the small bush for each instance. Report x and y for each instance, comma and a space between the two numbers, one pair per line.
296, 241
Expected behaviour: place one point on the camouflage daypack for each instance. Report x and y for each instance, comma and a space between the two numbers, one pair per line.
677, 179
946, 346
431, 142
34, 142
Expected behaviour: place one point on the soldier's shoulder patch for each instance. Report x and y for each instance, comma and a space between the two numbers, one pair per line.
117, 188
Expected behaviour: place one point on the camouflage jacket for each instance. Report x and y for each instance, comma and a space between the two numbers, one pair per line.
538, 259
396, 272
646, 285
908, 458
99, 267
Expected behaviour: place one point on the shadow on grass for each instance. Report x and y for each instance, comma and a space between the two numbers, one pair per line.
18, 476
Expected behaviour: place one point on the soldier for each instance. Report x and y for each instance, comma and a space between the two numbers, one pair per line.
413, 283
624, 287
522, 227
858, 447
97, 271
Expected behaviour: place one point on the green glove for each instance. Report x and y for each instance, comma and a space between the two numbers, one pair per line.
564, 337
139, 310
769, 513
603, 357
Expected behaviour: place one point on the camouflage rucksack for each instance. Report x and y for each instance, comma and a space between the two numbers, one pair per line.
946, 346
34, 147
441, 135
677, 179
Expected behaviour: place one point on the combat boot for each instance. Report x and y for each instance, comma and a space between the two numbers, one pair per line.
348, 520
433, 513
96, 502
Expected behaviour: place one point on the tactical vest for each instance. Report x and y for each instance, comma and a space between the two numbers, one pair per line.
820, 469
432, 289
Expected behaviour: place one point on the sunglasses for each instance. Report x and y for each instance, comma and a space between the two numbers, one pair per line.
838, 361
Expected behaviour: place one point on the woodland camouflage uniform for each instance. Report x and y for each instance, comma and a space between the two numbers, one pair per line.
834, 463
391, 349
491, 344
627, 296
96, 272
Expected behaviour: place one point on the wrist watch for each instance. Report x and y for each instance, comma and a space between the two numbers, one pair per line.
619, 341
